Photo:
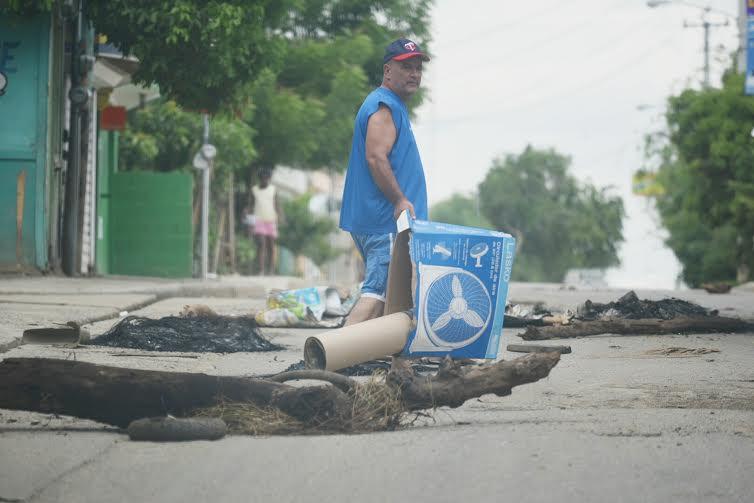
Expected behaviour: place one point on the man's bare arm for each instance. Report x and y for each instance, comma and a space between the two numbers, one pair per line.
381, 135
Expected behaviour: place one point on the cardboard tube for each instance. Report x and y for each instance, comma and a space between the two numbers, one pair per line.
362, 342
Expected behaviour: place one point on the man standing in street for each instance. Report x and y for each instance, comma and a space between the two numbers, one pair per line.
385, 174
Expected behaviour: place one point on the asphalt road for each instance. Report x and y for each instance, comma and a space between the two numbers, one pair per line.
617, 420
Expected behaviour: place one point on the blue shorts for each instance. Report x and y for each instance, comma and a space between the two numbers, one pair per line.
375, 249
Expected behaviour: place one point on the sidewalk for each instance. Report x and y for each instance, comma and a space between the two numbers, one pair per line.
27, 302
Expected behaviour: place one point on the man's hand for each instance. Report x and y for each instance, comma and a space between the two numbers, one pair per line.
403, 204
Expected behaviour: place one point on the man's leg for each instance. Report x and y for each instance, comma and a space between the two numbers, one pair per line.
375, 249
366, 308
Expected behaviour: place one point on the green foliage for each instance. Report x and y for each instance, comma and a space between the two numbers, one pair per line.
25, 7
559, 223
460, 210
304, 66
304, 110
287, 123
705, 165
305, 233
234, 140
160, 137
200, 52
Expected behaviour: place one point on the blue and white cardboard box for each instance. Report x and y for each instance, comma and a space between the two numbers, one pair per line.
455, 281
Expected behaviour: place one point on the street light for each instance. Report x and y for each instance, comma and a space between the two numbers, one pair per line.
706, 8
706, 24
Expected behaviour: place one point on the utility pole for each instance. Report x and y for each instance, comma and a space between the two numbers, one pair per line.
205, 201
742, 40
707, 25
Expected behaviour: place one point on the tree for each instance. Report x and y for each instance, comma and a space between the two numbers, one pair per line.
305, 233
704, 165
164, 137
160, 137
559, 223
287, 123
304, 109
460, 210
199, 52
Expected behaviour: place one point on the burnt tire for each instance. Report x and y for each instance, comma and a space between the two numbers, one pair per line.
172, 429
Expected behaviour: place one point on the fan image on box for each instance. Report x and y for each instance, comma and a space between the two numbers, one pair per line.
455, 309
478, 251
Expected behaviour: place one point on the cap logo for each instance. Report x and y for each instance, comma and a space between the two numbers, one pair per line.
410, 46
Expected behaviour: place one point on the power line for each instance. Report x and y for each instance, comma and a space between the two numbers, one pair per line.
557, 37
509, 24
599, 79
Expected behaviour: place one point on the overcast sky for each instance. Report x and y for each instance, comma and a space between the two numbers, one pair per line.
568, 75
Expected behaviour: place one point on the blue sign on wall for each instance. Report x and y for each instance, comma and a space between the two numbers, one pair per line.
7, 67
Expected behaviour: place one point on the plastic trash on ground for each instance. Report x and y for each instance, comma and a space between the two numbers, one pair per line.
316, 307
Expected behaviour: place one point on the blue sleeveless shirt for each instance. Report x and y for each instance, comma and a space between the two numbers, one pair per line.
365, 208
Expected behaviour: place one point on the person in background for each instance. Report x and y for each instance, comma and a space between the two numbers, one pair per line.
267, 214
385, 174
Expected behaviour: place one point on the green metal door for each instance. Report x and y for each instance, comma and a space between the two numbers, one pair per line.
150, 224
24, 61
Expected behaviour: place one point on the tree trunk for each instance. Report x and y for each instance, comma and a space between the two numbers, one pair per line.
117, 396
684, 325
219, 241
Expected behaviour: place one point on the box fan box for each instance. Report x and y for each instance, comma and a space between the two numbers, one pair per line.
454, 280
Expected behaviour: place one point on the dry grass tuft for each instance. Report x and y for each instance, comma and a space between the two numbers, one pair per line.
249, 419
376, 407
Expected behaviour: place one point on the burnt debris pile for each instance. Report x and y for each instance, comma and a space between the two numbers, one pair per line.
630, 315
632, 308
210, 334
